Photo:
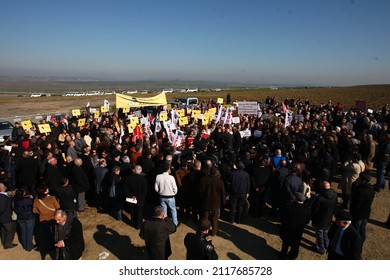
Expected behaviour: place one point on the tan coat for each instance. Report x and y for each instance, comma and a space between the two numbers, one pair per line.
44, 213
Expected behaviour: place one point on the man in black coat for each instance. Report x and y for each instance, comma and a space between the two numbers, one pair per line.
53, 175
156, 233
292, 184
80, 183
68, 236
239, 192
322, 210
27, 172
198, 247
261, 179
362, 196
345, 241
7, 226
136, 187
293, 222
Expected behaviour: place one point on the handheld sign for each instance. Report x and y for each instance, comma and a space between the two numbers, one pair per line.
183, 121
181, 113
126, 109
76, 112
134, 120
212, 111
44, 128
96, 114
26, 125
130, 128
81, 122
220, 100
104, 109
195, 114
163, 116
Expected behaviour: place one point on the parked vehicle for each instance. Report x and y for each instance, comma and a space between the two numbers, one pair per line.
5, 130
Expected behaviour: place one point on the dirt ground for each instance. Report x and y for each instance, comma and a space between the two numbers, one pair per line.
256, 239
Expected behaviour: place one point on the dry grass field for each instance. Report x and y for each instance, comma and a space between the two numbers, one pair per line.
375, 96
256, 238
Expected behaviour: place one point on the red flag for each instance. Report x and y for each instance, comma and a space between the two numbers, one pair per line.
284, 107
137, 134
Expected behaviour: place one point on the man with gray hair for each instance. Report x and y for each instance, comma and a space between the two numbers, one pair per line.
135, 189
126, 167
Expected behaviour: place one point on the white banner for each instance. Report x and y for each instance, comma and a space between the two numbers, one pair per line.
247, 108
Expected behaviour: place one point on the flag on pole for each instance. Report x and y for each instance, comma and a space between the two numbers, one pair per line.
122, 133
219, 113
106, 103
289, 117
137, 134
157, 127
228, 117
284, 107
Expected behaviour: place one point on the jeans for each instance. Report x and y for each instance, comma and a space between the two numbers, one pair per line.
27, 233
360, 226
118, 206
322, 239
169, 203
380, 175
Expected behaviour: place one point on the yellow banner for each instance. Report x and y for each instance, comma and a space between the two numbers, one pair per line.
195, 114
76, 112
26, 124
125, 100
81, 122
163, 116
103, 109
44, 128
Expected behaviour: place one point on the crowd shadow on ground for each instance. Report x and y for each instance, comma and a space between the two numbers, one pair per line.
115, 243
247, 242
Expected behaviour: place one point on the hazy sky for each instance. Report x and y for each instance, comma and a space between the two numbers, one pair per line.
332, 42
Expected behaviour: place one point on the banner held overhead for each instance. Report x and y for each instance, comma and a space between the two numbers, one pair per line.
123, 101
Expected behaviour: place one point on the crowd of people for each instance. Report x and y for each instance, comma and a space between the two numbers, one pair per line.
202, 171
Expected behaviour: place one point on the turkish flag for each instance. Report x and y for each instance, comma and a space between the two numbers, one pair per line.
137, 134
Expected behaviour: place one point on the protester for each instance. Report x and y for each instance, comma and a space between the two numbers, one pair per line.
198, 247
296, 216
322, 210
7, 225
345, 242
166, 187
23, 204
155, 232
68, 236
